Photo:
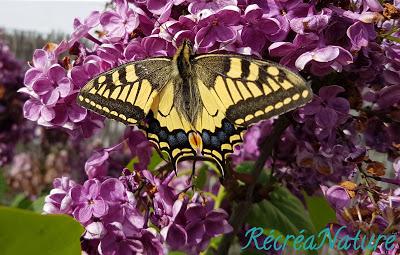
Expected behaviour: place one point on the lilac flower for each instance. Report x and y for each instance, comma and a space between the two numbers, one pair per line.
177, 31
88, 200
146, 47
290, 51
59, 200
217, 27
325, 59
90, 67
192, 225
361, 34
328, 109
311, 23
258, 29
116, 241
121, 22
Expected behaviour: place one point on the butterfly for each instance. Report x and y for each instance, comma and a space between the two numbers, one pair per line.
195, 106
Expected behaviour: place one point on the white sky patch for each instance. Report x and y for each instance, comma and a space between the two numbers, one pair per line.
45, 16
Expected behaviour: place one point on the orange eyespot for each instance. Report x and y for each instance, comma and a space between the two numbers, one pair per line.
196, 142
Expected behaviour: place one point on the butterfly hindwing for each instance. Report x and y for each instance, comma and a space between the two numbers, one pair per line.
126, 92
249, 90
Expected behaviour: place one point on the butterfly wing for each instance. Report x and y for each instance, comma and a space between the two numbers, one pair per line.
126, 92
248, 90
238, 91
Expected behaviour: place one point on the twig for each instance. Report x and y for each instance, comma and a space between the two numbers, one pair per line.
242, 209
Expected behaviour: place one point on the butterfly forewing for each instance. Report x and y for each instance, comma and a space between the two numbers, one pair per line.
126, 93
249, 90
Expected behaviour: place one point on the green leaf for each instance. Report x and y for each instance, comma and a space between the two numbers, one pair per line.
37, 205
201, 177
393, 38
21, 201
320, 212
154, 161
283, 212
25, 232
3, 185
245, 167
176, 253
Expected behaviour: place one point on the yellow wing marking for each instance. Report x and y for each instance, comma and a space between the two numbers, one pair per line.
253, 72
235, 68
130, 73
243, 90
222, 92
233, 90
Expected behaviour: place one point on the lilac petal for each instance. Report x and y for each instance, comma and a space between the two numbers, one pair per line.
95, 230
42, 86
76, 194
252, 13
99, 207
229, 15
329, 92
359, 34
56, 73
214, 228
176, 236
84, 213
64, 87
326, 54
225, 34
76, 113
92, 188
31, 75
340, 104
40, 59
205, 37
134, 246
389, 96
47, 113
303, 60
374, 5
112, 190
51, 98
195, 232
280, 49
217, 215
93, 19
338, 197
327, 117
195, 213
177, 208
31, 109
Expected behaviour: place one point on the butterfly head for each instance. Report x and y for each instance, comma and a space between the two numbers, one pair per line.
187, 48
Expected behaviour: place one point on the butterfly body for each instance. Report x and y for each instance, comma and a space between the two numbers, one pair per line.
195, 105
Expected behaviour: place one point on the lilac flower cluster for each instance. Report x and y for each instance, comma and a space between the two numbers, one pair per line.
137, 213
